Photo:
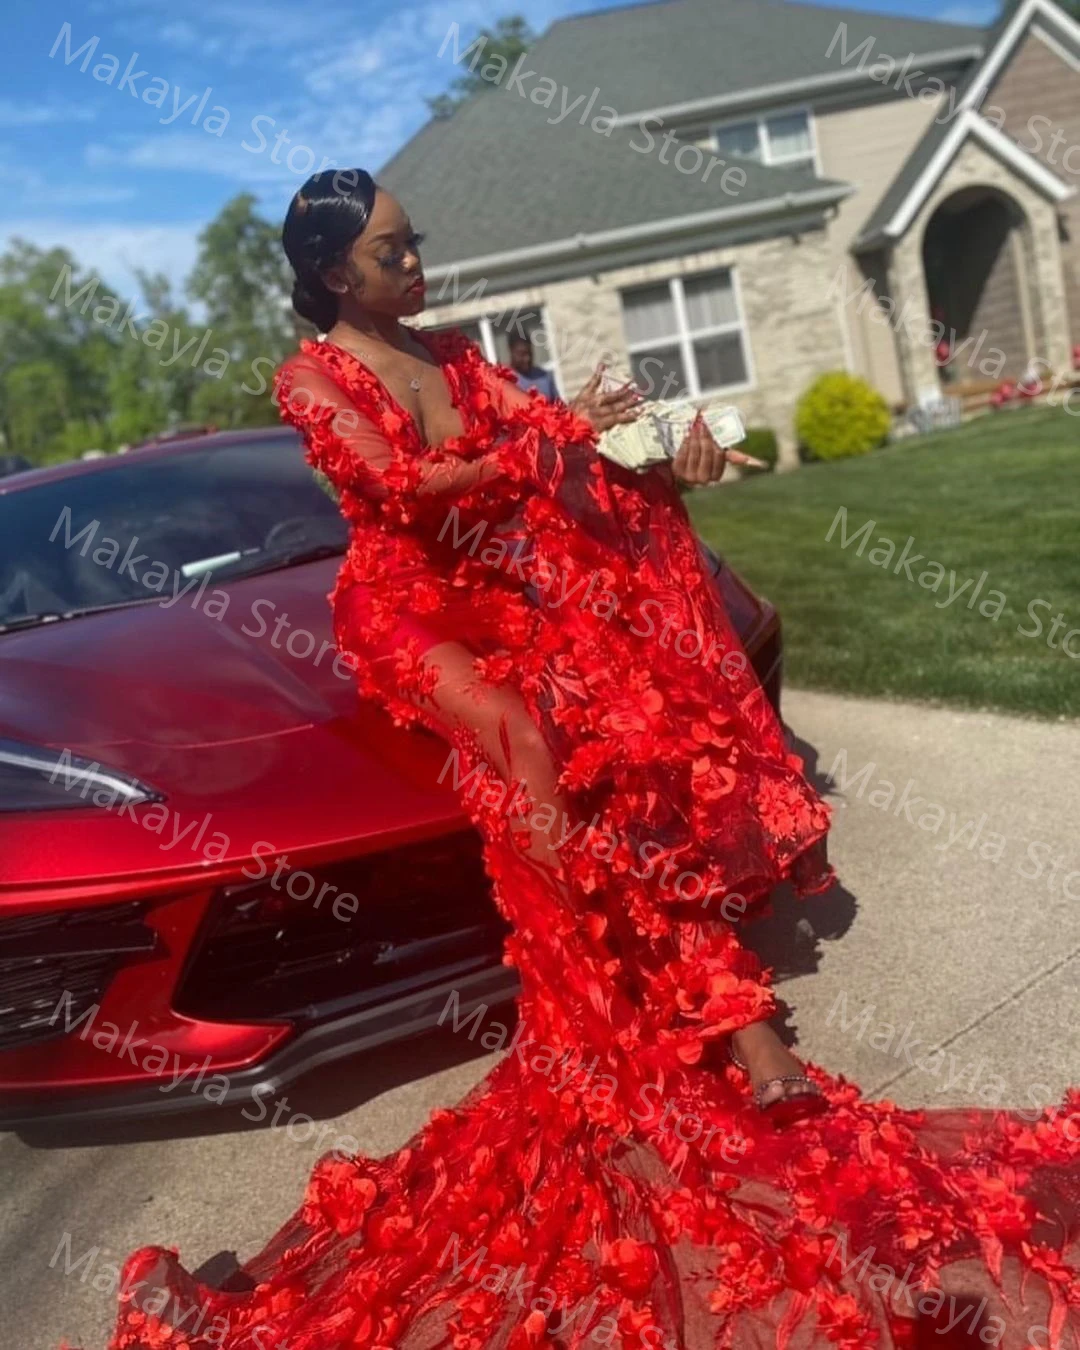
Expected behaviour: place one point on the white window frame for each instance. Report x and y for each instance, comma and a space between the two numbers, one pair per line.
684, 338
761, 119
487, 337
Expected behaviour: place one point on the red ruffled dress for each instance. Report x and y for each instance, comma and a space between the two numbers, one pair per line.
610, 1183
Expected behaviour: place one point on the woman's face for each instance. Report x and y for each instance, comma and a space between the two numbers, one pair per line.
383, 272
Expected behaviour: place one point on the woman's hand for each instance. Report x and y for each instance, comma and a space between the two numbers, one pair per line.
700, 460
606, 410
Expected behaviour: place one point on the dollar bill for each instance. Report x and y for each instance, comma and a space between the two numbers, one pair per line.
662, 427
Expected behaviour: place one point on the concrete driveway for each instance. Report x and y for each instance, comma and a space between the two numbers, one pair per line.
943, 970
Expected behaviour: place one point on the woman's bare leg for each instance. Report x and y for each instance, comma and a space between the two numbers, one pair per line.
516, 751
513, 745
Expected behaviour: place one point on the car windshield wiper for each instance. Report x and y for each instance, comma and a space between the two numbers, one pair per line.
266, 562
273, 562
56, 615
30, 620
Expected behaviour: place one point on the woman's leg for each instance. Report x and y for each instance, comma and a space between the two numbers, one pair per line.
514, 748
512, 744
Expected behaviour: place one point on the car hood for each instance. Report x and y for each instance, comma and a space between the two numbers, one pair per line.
234, 710
182, 677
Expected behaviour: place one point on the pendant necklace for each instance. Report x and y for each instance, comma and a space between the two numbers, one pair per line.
415, 382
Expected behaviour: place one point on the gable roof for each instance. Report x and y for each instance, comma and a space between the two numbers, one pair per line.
928, 163
1007, 35
500, 184
507, 175
653, 56
933, 154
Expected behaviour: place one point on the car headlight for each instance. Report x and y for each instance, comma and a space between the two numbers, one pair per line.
37, 778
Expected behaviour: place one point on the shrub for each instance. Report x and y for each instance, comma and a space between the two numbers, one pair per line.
761, 443
840, 415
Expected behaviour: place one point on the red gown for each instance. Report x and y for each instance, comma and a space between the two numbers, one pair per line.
610, 1182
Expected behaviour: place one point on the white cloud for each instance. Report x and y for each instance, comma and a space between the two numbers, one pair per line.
114, 251
26, 114
194, 152
341, 135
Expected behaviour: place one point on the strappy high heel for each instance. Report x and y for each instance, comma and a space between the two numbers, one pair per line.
789, 1106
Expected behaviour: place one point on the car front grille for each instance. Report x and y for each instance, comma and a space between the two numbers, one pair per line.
272, 949
54, 967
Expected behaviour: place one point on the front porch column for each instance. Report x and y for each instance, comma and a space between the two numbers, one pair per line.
1046, 273
911, 320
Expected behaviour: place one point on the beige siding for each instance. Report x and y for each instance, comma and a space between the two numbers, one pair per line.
791, 321
1039, 94
867, 146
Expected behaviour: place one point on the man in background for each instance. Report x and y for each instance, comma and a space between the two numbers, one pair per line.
529, 374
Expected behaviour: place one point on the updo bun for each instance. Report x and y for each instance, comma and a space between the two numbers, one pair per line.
315, 301
329, 212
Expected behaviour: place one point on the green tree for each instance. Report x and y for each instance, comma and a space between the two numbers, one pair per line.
55, 350
501, 47
242, 281
36, 403
79, 370
153, 388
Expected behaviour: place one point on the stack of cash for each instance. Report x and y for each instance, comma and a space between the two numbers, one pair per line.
661, 429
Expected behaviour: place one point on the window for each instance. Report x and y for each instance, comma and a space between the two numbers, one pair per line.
518, 323
492, 334
686, 336
470, 330
785, 138
701, 136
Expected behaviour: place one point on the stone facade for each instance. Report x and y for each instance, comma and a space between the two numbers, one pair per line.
791, 322
1041, 268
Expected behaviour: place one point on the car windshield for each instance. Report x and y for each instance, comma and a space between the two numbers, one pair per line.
143, 527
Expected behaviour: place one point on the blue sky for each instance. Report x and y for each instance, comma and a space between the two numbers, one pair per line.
90, 166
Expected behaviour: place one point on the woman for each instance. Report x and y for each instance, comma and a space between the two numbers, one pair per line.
648, 1166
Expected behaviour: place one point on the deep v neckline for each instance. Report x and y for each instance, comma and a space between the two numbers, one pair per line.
450, 378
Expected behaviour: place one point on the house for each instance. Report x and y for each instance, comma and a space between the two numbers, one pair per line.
730, 197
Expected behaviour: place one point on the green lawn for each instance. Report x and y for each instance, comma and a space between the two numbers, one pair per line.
1000, 494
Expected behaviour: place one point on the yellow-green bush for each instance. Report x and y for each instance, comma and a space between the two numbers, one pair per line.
840, 415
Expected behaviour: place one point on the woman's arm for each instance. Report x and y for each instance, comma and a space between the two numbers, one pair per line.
444, 477
344, 441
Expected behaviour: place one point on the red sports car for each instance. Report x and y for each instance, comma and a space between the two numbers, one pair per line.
217, 866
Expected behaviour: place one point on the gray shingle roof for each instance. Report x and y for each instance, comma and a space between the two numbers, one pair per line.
501, 174
654, 55
508, 180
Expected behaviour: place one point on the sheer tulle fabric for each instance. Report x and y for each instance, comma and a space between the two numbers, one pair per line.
610, 1184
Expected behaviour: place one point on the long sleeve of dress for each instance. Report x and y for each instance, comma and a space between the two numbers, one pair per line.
314, 402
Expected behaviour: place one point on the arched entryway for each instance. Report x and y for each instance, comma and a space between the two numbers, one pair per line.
977, 259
